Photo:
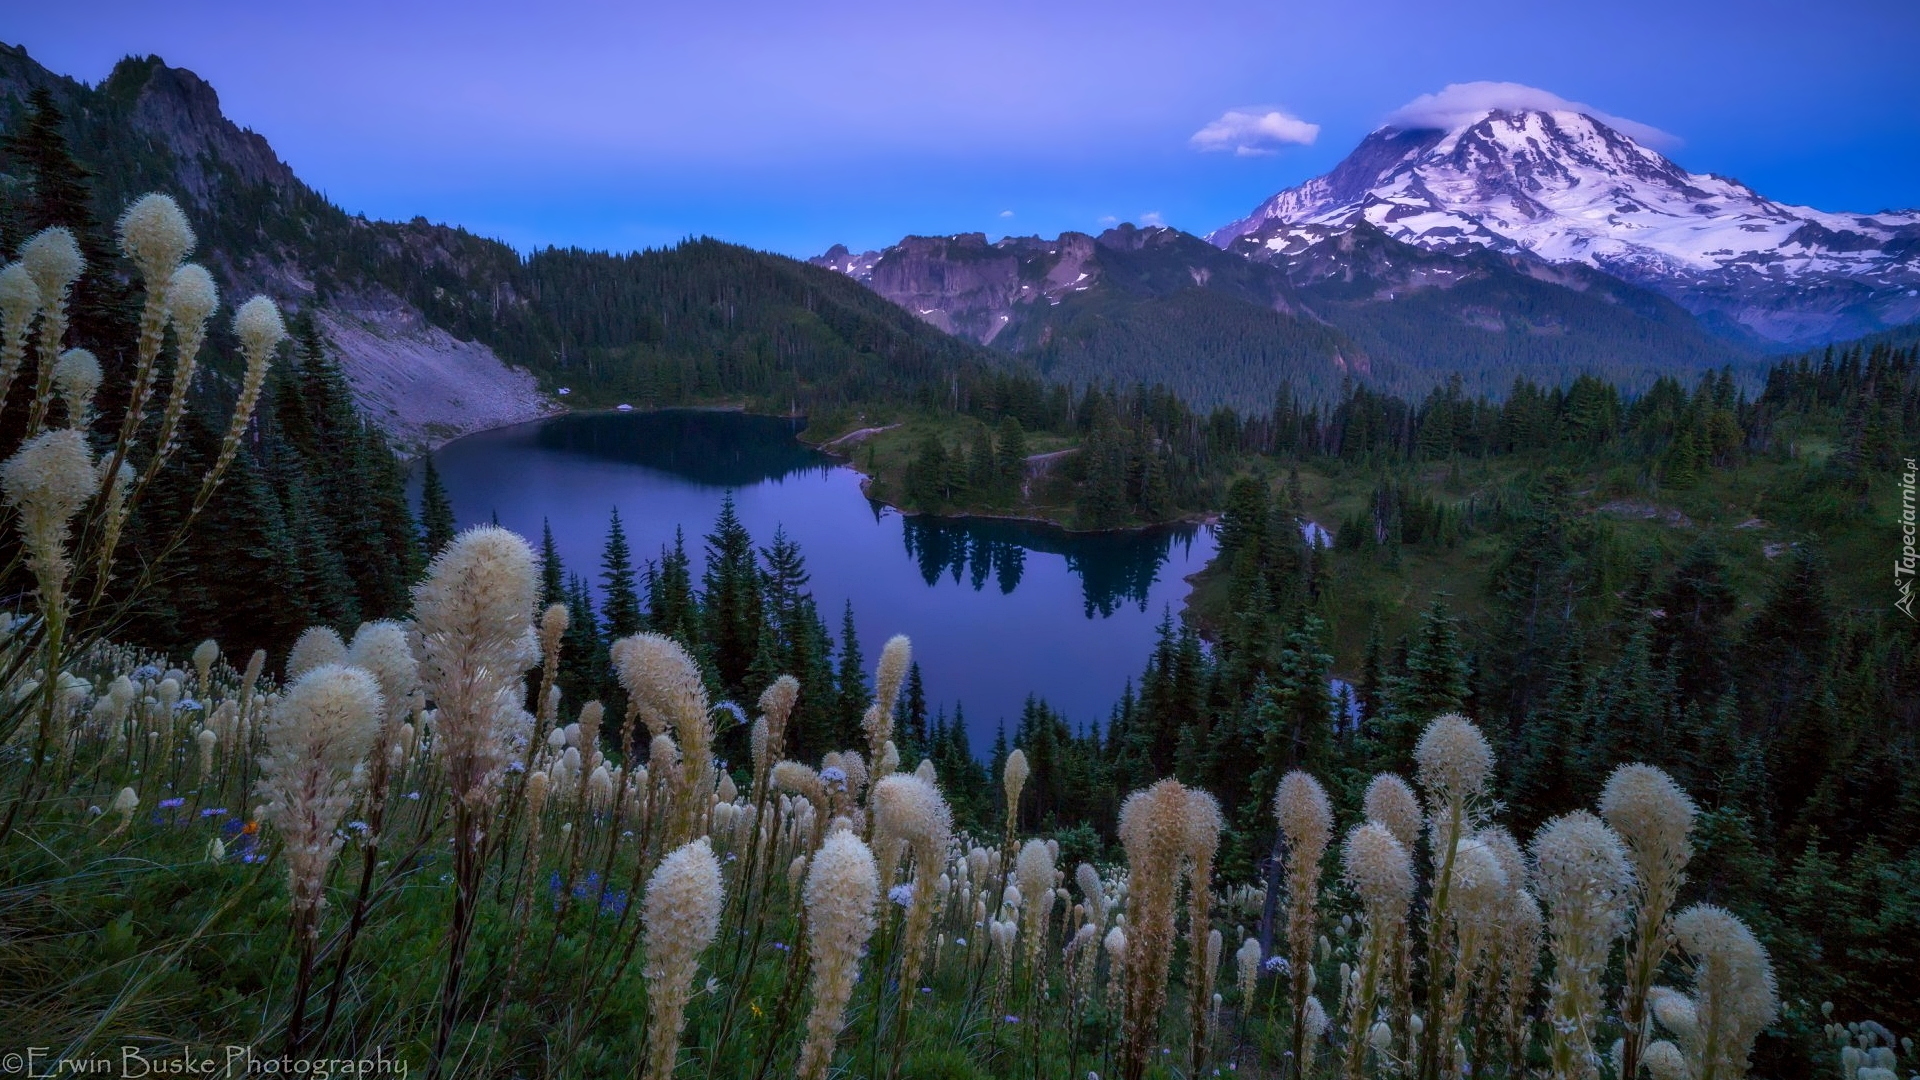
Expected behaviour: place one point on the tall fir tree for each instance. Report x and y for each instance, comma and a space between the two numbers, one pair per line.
436, 510
553, 575
851, 688
619, 596
730, 602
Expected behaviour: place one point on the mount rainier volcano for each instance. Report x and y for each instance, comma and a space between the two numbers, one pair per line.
1567, 186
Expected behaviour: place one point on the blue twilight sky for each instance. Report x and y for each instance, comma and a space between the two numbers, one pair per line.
792, 125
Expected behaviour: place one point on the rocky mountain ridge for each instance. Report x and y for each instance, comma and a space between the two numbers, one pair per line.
149, 126
1538, 241
1233, 326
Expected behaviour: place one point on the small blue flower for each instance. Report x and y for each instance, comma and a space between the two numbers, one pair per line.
169, 804
214, 811
185, 704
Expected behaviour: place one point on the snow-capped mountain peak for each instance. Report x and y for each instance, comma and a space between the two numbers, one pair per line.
1565, 185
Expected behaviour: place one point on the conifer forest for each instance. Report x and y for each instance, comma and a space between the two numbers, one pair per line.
1519, 727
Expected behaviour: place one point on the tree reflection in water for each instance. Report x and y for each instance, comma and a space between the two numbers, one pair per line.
1114, 568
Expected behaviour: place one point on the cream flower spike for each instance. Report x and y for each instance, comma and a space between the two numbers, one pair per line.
155, 236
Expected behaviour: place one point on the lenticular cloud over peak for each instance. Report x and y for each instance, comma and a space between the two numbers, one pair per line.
1462, 103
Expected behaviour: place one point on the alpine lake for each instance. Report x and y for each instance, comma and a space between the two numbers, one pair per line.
997, 609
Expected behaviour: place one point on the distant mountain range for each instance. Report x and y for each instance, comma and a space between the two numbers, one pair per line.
1516, 241
1394, 269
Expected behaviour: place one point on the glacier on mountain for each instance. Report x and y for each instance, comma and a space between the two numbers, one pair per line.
1563, 185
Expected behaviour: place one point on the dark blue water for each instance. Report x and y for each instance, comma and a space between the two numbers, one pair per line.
997, 609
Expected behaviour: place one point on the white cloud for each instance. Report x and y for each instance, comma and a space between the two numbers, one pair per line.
1254, 130
1109, 219
1006, 213
1462, 103
1152, 219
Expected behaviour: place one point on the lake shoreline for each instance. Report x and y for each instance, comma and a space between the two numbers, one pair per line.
997, 609
846, 458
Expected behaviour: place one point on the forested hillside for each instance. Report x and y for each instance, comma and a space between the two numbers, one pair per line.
701, 321
311, 523
1689, 578
1232, 327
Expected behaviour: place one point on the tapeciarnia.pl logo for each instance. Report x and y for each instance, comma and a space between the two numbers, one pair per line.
1904, 566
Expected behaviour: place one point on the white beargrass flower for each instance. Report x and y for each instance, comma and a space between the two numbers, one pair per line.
1583, 878
878, 720
381, 649
1033, 869
681, 916
155, 236
1154, 832
909, 810
53, 260
204, 655
842, 888
317, 739
19, 298
191, 298
473, 622
665, 684
76, 377
316, 647
259, 326
1454, 760
1734, 997
1391, 802
47, 481
1655, 818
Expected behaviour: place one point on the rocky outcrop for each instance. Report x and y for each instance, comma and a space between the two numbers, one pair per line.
266, 231
420, 384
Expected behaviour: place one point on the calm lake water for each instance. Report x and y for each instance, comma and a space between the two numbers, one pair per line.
997, 610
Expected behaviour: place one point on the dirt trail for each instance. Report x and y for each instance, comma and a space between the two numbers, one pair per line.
854, 438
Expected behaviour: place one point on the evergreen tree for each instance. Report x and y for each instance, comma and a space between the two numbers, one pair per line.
1692, 637
1433, 683
912, 718
730, 602
620, 598
1010, 455
672, 608
436, 511
553, 576
59, 191
851, 690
